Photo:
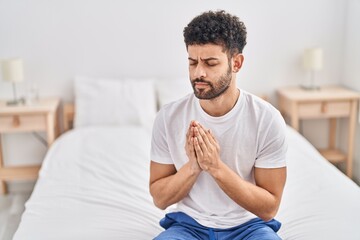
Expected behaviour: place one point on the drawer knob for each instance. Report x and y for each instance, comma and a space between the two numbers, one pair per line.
16, 121
324, 108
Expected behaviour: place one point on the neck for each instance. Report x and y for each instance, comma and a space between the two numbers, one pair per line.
222, 104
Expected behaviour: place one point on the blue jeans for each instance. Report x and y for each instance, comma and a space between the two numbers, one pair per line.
180, 226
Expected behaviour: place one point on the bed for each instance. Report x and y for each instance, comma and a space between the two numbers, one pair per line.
93, 184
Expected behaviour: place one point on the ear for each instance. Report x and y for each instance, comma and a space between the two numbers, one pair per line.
237, 62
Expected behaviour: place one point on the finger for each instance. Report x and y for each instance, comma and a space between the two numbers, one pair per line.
197, 148
193, 131
199, 155
193, 123
200, 140
192, 147
202, 127
188, 132
212, 137
190, 140
208, 133
205, 136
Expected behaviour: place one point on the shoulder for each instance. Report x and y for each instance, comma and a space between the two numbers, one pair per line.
174, 112
258, 105
178, 106
262, 113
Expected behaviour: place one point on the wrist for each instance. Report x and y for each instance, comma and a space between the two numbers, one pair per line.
194, 168
217, 172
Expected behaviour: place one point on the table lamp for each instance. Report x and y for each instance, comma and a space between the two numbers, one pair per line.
12, 71
312, 62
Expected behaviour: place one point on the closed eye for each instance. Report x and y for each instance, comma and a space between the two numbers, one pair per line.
192, 62
211, 64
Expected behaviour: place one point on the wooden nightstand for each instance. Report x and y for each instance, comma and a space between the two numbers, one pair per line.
330, 102
41, 116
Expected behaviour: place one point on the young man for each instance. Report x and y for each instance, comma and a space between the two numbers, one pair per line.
218, 153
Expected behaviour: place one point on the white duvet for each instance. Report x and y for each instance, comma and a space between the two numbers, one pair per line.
94, 185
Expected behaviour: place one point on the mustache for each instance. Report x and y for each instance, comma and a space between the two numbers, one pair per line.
199, 80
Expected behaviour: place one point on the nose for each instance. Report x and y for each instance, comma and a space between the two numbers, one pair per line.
199, 72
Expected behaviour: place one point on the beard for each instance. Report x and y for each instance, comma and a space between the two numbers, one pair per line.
216, 89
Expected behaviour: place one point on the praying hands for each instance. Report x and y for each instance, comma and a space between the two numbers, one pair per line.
202, 147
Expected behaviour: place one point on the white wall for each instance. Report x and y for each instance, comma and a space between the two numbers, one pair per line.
59, 39
351, 74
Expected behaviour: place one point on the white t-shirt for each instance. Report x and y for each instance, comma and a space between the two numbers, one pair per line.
251, 135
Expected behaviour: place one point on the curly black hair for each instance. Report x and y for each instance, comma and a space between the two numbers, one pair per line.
219, 28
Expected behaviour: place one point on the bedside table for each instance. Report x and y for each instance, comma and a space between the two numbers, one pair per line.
41, 116
331, 103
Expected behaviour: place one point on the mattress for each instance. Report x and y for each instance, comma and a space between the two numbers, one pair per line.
93, 184
319, 201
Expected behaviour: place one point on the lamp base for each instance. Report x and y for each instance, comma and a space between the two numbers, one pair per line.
310, 87
15, 102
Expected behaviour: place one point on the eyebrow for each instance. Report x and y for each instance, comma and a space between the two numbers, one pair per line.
205, 59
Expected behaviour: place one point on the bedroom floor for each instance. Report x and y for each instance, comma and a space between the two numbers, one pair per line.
12, 207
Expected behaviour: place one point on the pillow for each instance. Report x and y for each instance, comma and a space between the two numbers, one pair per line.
114, 102
172, 89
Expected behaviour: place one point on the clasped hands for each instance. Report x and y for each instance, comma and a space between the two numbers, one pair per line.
202, 148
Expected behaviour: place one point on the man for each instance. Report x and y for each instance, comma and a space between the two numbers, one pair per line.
228, 179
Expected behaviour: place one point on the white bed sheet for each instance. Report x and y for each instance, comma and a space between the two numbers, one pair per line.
319, 201
94, 185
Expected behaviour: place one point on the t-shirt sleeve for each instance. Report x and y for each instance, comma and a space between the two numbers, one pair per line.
272, 146
160, 152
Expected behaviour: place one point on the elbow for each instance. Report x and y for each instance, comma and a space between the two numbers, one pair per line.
157, 201
269, 212
159, 204
268, 215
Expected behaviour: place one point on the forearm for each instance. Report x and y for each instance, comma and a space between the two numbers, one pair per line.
251, 197
169, 190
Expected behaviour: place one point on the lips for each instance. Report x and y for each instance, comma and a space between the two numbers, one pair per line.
201, 84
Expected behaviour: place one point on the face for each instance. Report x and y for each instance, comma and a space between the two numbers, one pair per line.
210, 70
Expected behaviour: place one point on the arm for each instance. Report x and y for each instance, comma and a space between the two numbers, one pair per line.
262, 199
168, 186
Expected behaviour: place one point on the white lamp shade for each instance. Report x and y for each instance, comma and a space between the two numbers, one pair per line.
12, 70
313, 59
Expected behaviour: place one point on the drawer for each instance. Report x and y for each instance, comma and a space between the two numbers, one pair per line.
324, 109
22, 123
